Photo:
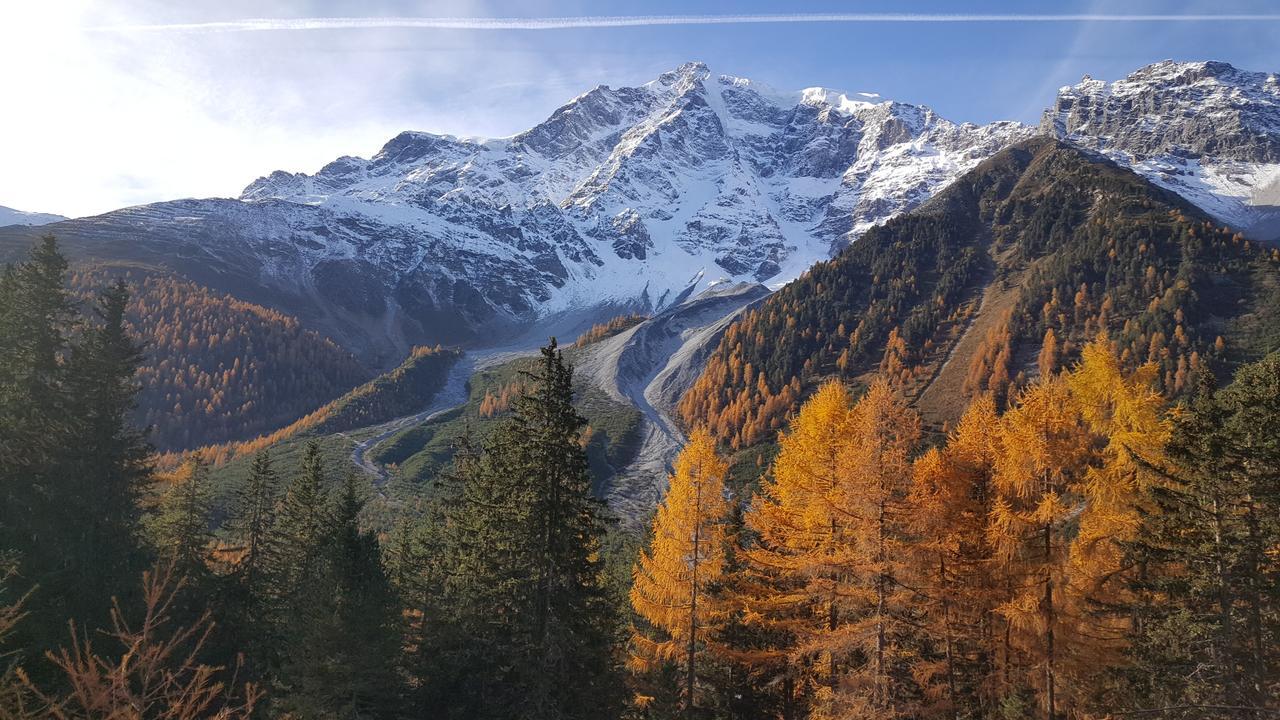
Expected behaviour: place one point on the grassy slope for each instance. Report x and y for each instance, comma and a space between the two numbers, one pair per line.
341, 424
420, 452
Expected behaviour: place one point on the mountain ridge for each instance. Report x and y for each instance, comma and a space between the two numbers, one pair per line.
1044, 236
632, 199
12, 216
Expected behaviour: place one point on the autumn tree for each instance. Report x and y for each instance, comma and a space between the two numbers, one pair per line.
830, 525
1125, 414
950, 500
675, 577
156, 671
1043, 452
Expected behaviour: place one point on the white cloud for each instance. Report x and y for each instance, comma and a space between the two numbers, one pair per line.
620, 21
97, 121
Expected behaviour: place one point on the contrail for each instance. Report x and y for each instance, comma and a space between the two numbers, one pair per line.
621, 21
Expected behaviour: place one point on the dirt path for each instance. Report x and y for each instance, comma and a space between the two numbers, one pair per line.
943, 399
453, 394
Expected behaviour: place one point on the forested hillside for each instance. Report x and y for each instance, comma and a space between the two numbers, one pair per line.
1079, 548
216, 368
1031, 255
403, 391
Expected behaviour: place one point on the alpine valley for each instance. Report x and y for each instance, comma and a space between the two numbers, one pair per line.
699, 400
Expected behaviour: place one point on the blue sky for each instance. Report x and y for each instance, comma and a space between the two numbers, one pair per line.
130, 115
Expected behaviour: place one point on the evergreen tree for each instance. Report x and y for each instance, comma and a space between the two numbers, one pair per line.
246, 606
301, 524
71, 466
1208, 595
112, 458
526, 589
341, 653
36, 425
571, 622
181, 528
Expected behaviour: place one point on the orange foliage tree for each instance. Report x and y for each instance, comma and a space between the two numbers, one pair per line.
831, 526
674, 578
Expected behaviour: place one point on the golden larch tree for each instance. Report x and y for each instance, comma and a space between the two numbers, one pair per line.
830, 527
674, 578
1043, 453
1126, 414
948, 507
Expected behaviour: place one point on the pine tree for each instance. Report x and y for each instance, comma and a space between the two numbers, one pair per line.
1208, 610
675, 577
527, 588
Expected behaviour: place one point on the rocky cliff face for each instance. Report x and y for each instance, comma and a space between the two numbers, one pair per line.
1205, 130
638, 195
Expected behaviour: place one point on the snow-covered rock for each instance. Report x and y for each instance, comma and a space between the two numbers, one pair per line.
638, 196
9, 216
1204, 130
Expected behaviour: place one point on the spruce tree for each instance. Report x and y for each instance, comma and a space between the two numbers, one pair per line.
343, 641
36, 425
1207, 618
112, 457
246, 605
182, 527
300, 528
571, 623
526, 589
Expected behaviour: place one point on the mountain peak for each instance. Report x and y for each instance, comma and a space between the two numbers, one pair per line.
686, 74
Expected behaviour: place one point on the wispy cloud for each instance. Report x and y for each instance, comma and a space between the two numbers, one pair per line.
622, 21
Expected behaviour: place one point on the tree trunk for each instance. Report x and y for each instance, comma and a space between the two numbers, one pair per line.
1225, 632
1050, 709
881, 590
946, 623
1255, 696
691, 679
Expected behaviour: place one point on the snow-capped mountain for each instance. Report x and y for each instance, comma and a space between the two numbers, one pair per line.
639, 194
1205, 130
9, 216
635, 198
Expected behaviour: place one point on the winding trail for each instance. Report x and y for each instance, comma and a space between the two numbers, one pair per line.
450, 396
